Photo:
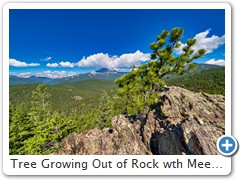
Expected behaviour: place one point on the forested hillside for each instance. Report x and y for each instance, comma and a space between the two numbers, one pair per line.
210, 81
65, 98
41, 116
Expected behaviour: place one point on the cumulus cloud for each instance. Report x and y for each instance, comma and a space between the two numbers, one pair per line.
62, 64
53, 65
101, 60
47, 58
67, 64
219, 62
16, 63
204, 42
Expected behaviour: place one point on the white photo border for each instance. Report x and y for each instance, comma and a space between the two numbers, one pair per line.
7, 157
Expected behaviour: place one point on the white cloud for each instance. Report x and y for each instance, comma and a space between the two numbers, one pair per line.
47, 58
219, 62
16, 63
25, 75
67, 64
59, 72
101, 60
47, 72
204, 42
53, 65
55, 74
34, 64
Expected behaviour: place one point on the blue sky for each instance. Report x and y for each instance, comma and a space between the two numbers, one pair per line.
79, 41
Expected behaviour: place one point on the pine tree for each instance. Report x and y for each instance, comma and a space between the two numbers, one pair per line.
20, 129
105, 111
41, 107
140, 89
40, 110
49, 128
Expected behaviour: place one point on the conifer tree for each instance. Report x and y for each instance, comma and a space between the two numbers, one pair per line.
105, 111
20, 129
41, 107
39, 117
140, 89
49, 127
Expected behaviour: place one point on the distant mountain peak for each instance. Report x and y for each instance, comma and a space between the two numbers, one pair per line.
106, 70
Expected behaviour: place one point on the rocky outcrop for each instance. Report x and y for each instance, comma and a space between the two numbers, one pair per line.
183, 122
123, 138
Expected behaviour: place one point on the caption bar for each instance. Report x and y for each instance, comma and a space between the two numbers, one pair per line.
122, 165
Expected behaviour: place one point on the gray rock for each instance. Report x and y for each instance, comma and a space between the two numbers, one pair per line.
121, 139
183, 122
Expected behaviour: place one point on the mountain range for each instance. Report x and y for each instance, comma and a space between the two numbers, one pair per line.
104, 74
